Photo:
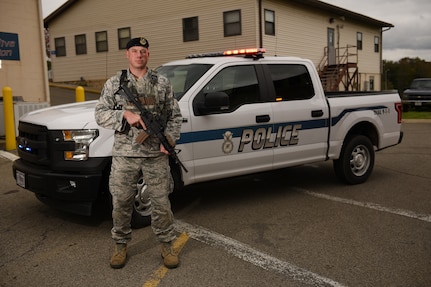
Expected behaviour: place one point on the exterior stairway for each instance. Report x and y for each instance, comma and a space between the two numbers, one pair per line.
343, 74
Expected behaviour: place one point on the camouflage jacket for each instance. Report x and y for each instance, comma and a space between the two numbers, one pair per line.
155, 93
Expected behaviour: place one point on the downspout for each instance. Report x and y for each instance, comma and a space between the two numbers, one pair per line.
260, 24
44, 56
381, 57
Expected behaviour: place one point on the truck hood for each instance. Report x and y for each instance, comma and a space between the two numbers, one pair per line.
417, 92
69, 116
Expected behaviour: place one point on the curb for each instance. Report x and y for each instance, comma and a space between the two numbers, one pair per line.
73, 88
8, 155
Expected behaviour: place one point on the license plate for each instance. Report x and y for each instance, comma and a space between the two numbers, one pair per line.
418, 103
20, 178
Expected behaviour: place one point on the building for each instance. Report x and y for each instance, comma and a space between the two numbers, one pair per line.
23, 65
88, 38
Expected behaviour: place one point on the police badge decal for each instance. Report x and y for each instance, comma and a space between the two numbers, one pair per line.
227, 146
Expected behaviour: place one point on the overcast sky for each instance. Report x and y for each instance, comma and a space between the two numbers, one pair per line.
411, 36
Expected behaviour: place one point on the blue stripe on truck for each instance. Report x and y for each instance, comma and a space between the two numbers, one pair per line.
209, 135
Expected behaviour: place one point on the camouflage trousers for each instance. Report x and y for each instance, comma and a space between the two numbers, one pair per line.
125, 172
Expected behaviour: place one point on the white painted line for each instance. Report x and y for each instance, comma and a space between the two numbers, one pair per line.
8, 155
249, 254
397, 211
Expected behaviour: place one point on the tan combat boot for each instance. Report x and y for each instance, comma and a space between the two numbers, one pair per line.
170, 258
118, 259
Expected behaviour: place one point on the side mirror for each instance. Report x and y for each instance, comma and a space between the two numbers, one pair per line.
214, 102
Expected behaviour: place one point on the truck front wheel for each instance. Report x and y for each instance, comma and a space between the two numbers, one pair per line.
356, 160
141, 215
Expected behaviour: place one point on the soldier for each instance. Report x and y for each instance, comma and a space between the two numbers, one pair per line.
130, 158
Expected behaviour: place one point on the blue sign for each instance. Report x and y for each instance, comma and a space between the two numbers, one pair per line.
9, 46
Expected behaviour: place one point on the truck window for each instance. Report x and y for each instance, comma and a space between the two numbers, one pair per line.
238, 82
421, 84
183, 77
291, 82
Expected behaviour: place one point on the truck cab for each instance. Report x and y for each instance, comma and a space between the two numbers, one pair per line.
244, 112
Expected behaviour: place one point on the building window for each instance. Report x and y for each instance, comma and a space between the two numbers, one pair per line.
190, 29
101, 41
269, 22
80, 44
359, 40
376, 44
232, 23
60, 47
123, 37
371, 83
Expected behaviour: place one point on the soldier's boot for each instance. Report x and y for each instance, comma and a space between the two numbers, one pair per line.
170, 258
118, 259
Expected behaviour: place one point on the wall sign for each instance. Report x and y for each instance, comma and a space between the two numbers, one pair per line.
9, 46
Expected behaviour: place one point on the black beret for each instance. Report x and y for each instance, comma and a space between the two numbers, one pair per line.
141, 41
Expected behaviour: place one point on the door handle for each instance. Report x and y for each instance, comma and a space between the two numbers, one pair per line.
263, 119
316, 113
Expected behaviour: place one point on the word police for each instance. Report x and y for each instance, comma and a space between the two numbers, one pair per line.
261, 138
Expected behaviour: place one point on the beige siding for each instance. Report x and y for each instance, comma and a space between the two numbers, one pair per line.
369, 63
300, 31
27, 77
162, 27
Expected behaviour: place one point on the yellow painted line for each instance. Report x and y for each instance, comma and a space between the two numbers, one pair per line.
160, 273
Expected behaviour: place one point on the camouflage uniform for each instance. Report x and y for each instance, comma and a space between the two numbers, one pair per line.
130, 158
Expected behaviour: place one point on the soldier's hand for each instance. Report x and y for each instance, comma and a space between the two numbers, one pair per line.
163, 150
134, 120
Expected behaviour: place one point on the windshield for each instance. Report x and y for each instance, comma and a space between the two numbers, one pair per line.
183, 77
421, 84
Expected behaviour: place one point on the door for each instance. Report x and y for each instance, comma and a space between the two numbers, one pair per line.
300, 116
331, 46
230, 141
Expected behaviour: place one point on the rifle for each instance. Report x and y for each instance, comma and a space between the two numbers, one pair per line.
153, 125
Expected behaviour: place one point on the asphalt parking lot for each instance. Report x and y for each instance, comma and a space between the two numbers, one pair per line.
292, 227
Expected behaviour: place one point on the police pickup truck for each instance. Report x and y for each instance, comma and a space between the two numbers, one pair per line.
242, 113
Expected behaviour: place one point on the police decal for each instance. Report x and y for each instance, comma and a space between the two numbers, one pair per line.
227, 146
261, 138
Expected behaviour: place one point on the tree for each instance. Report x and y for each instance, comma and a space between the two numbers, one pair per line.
400, 74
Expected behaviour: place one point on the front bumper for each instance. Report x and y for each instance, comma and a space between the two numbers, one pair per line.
71, 192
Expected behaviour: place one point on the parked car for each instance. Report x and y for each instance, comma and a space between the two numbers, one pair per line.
418, 95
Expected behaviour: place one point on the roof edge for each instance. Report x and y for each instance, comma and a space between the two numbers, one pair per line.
313, 3
348, 14
57, 12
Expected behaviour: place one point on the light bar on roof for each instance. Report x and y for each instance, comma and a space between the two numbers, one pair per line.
252, 52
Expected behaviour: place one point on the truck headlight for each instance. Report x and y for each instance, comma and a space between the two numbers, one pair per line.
82, 139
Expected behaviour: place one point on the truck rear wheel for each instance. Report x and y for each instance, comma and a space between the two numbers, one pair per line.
356, 160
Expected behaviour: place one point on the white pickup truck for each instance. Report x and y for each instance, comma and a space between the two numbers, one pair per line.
242, 113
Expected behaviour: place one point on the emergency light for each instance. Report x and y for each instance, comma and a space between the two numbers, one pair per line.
252, 53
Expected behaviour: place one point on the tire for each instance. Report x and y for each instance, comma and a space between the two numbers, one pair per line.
139, 221
356, 160
142, 206
141, 215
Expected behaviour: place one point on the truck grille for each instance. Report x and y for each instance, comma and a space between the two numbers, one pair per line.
32, 143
